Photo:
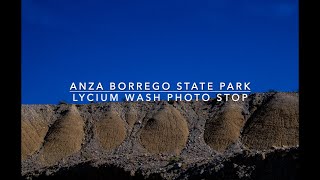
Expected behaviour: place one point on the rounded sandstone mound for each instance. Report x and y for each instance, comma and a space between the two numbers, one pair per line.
166, 132
224, 129
110, 131
65, 137
33, 130
275, 124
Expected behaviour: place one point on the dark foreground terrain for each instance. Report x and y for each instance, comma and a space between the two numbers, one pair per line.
255, 139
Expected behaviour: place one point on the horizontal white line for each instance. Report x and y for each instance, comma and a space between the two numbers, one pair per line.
155, 91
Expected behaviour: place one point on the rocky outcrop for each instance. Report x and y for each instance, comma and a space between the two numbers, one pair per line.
254, 139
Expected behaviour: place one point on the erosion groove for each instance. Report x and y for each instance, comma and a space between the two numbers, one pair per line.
131, 117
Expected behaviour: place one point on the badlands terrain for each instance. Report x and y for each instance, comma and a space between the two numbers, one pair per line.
254, 139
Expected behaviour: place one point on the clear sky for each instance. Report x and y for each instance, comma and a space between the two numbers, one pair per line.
157, 40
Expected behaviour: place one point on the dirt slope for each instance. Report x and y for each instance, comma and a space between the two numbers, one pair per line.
34, 127
224, 129
276, 123
64, 138
110, 131
166, 131
159, 140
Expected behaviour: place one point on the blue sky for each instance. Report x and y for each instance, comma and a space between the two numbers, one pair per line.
159, 40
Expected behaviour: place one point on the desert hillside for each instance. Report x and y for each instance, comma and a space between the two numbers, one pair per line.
255, 139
